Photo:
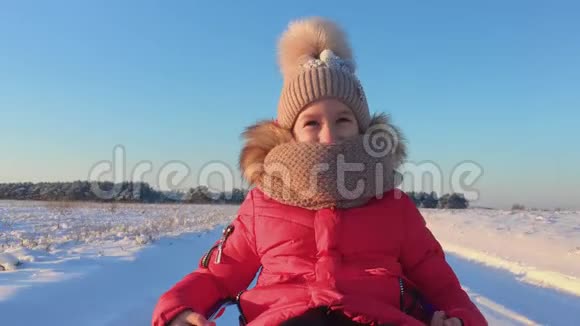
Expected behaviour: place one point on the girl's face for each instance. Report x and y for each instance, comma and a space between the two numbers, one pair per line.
326, 121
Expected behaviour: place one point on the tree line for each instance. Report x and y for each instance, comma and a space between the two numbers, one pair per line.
431, 200
142, 192
104, 191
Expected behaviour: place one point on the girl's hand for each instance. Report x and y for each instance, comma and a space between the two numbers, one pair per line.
190, 318
440, 319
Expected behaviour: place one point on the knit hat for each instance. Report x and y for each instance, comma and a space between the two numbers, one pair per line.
316, 62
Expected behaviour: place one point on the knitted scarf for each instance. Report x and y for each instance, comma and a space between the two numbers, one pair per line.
314, 175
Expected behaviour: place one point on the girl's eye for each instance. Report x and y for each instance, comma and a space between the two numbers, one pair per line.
344, 120
311, 123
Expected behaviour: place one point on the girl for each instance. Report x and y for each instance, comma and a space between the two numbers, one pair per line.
336, 242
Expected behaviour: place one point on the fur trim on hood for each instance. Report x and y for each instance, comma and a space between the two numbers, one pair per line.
265, 135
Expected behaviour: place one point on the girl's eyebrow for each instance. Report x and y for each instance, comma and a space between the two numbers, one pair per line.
345, 112
307, 116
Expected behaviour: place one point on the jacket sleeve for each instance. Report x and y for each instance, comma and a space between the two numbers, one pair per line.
204, 287
424, 264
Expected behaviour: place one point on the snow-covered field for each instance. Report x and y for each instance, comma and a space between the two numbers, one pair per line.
103, 264
541, 247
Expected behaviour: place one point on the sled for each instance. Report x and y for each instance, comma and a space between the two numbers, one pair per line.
219, 308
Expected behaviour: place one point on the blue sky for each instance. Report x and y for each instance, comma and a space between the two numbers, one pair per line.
493, 82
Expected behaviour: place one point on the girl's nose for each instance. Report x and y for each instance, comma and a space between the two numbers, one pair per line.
327, 135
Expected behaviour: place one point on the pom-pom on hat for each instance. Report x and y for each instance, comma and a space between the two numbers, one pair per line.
316, 62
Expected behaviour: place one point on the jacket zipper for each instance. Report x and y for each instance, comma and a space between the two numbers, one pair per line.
205, 260
241, 318
402, 295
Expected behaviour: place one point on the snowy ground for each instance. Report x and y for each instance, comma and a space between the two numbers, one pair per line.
102, 264
540, 247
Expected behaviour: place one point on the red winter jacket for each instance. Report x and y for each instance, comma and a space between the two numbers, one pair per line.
347, 259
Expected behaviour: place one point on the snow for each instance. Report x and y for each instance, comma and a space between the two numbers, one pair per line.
8, 262
540, 247
103, 264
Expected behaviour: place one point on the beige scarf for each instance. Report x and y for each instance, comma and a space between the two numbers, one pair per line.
315, 176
